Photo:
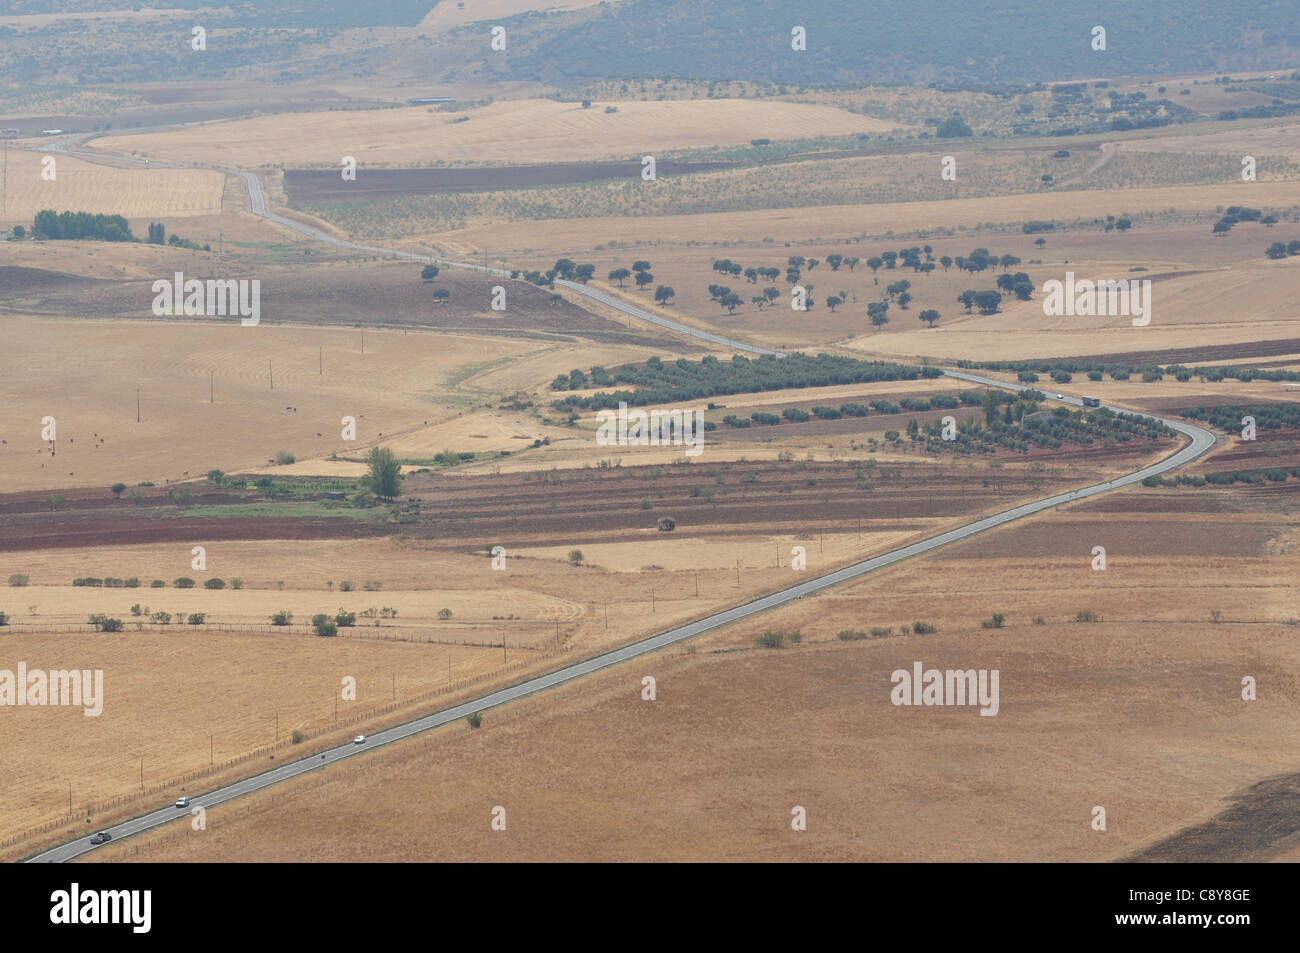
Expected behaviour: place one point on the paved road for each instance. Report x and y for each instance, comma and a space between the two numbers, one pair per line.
258, 204
1200, 441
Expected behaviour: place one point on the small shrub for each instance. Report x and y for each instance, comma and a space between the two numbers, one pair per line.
324, 625
184, 582
132, 583
161, 618
474, 719
157, 584
771, 640
880, 632
851, 635
345, 619
1086, 615
444, 614
993, 623
347, 585
372, 586
236, 583
215, 583
18, 579
137, 610
297, 737
282, 618
284, 458
923, 628
576, 557
196, 618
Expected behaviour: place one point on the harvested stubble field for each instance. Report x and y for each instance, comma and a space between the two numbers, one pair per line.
1089, 714
81, 186
643, 579
521, 130
721, 230
167, 692
403, 382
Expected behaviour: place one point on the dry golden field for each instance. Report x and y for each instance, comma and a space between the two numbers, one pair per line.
553, 238
1140, 713
85, 374
518, 131
81, 186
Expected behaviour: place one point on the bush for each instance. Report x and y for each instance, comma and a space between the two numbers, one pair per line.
161, 618
284, 458
576, 557
184, 582
297, 737
474, 719
157, 584
347, 585
771, 640
345, 619
215, 583
444, 614
1086, 615
851, 635
137, 610
282, 618
324, 625
993, 623
132, 583
880, 632
196, 618
18, 579
104, 624
923, 628
236, 583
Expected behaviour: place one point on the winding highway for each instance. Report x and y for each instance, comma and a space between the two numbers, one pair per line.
1199, 442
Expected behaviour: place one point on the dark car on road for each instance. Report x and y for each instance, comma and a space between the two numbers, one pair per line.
102, 837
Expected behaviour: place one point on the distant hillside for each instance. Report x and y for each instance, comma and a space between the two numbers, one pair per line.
939, 40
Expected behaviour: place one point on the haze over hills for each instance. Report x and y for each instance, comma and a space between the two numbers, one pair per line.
847, 42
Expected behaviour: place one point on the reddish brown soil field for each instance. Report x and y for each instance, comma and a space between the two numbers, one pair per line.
383, 295
306, 187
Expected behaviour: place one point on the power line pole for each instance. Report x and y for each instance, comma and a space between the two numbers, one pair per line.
137, 405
